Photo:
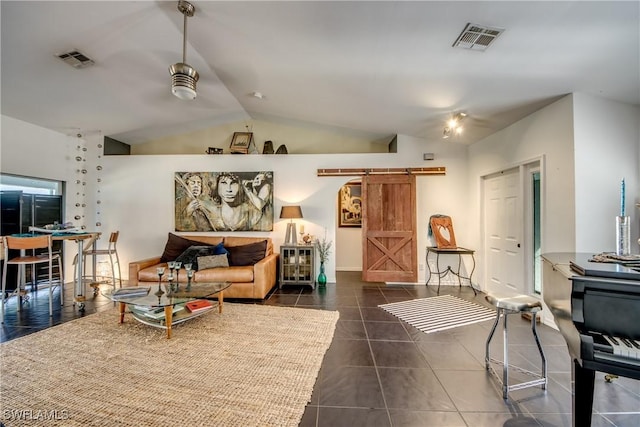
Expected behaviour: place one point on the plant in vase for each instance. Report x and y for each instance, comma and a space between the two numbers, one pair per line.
324, 249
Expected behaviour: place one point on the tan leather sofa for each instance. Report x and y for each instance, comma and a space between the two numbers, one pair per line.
253, 281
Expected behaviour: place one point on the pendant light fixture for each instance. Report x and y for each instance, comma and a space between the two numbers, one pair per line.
183, 76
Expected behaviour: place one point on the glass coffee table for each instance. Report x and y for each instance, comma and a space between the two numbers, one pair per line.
161, 306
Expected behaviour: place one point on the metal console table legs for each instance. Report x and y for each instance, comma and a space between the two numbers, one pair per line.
441, 273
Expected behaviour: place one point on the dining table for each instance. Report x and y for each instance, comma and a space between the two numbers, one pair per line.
80, 237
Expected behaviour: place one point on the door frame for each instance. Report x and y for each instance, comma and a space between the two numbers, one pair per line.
525, 168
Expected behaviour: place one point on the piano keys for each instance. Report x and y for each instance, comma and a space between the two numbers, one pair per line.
596, 307
627, 348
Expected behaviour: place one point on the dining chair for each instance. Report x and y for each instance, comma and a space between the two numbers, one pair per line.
24, 244
111, 251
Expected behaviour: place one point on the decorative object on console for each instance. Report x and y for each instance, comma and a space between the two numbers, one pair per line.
268, 147
350, 205
240, 142
623, 235
214, 150
183, 76
282, 149
441, 226
623, 226
291, 213
224, 201
324, 249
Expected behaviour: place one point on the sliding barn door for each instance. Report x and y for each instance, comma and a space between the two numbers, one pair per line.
388, 228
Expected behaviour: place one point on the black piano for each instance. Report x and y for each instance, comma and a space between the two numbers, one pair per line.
597, 309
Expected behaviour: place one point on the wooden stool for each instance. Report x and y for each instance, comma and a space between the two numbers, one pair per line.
506, 305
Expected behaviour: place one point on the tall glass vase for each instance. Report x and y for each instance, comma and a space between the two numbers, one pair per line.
322, 278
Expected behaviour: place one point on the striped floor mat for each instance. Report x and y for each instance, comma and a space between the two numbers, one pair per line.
439, 313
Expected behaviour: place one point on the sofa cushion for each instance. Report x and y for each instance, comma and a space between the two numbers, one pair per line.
175, 246
192, 253
246, 254
213, 261
229, 274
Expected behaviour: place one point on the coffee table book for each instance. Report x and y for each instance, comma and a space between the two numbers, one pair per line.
156, 313
131, 291
198, 305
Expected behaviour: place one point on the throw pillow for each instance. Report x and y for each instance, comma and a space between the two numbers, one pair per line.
247, 254
175, 246
213, 261
191, 254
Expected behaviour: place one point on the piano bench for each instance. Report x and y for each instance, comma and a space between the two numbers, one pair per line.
513, 304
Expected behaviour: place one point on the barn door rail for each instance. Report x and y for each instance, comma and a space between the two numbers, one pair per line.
440, 170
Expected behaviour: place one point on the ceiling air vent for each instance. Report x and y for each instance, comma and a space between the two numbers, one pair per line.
76, 59
477, 37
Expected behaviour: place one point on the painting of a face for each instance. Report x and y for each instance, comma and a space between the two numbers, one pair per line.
194, 183
228, 189
224, 201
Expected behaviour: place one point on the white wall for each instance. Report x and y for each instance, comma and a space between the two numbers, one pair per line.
587, 145
607, 138
299, 139
547, 134
33, 151
136, 192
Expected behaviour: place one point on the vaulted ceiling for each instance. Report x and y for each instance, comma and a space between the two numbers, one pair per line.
380, 67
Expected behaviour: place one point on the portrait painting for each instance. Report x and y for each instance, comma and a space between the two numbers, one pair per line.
350, 205
223, 201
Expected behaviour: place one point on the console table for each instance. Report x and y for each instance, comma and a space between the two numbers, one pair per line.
441, 273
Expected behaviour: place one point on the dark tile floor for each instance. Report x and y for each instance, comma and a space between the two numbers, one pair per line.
380, 371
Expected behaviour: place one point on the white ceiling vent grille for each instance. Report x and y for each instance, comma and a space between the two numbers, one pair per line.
76, 59
477, 37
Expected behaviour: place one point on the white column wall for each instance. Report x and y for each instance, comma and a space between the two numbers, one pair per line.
607, 141
546, 134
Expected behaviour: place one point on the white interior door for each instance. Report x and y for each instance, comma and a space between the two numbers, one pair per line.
503, 228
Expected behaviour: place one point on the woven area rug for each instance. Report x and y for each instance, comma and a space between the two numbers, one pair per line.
253, 365
439, 313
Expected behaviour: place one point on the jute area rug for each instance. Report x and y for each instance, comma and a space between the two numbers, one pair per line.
252, 365
439, 313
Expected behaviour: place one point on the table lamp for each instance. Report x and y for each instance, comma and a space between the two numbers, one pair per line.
291, 212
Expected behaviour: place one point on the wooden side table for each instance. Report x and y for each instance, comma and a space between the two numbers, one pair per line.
441, 273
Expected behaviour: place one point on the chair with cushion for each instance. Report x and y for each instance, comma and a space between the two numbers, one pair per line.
24, 244
111, 251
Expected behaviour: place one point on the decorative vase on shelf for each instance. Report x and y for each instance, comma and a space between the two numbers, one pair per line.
322, 278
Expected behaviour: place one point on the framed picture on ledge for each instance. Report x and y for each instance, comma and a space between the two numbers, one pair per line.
241, 142
350, 205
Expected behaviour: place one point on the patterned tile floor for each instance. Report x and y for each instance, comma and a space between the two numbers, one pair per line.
380, 371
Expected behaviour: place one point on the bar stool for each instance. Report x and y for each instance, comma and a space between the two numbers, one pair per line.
111, 251
25, 244
506, 305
